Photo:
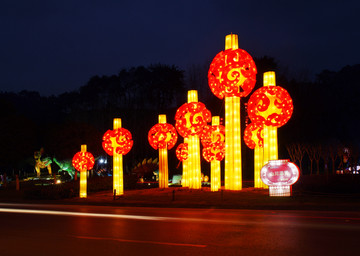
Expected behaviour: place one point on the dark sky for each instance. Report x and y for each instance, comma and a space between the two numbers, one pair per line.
56, 46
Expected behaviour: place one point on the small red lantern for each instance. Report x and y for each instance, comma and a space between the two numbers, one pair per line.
271, 106
83, 161
162, 135
253, 135
191, 118
215, 151
279, 175
232, 73
212, 133
213, 140
119, 139
182, 152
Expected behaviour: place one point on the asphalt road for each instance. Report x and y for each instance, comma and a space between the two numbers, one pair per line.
96, 230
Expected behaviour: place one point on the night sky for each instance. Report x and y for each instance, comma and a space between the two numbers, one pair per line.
56, 46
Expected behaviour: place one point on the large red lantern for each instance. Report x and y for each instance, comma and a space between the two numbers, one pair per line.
162, 135
279, 175
191, 118
271, 106
232, 73
119, 139
253, 135
182, 152
83, 161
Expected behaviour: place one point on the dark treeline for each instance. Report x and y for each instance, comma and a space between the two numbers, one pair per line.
325, 111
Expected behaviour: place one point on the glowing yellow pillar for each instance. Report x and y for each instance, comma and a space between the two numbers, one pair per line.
270, 132
83, 177
163, 161
118, 183
185, 164
194, 165
215, 165
258, 164
233, 169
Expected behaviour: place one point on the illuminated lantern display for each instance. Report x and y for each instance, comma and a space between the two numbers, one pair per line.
272, 107
182, 152
213, 140
163, 136
190, 119
182, 155
232, 75
116, 143
83, 161
279, 175
254, 140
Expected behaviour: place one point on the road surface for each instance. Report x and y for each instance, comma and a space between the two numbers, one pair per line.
96, 230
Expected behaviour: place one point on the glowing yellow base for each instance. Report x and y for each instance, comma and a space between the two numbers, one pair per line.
233, 169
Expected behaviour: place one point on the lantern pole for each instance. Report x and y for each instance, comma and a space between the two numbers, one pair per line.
270, 132
215, 164
118, 187
83, 176
185, 164
163, 161
233, 169
194, 166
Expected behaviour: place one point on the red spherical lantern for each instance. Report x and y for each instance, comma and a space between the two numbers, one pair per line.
162, 135
83, 161
253, 135
191, 118
214, 151
232, 73
271, 106
119, 139
213, 140
211, 134
182, 151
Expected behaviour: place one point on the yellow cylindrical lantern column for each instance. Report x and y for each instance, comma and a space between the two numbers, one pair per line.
83, 161
270, 106
118, 182
232, 74
194, 165
215, 165
191, 118
163, 161
253, 137
258, 164
163, 136
270, 132
116, 143
83, 177
185, 164
233, 169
